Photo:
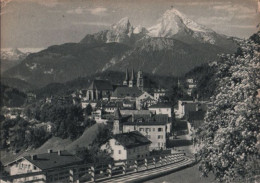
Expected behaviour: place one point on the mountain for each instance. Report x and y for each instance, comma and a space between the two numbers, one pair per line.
121, 32
174, 24
11, 57
173, 46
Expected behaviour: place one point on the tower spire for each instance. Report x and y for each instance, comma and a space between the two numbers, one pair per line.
132, 75
125, 83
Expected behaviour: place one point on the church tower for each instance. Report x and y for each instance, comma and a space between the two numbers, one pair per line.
140, 80
125, 83
132, 80
117, 121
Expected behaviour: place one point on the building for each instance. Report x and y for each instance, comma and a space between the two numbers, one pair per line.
159, 93
186, 106
153, 130
195, 119
123, 92
162, 108
133, 82
99, 89
145, 100
44, 162
154, 127
127, 146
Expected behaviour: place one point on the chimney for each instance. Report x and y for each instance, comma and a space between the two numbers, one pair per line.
59, 152
49, 151
34, 157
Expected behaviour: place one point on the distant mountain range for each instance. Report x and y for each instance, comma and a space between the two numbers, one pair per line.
173, 46
11, 57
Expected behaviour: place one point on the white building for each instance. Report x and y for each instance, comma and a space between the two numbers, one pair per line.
127, 146
161, 108
154, 131
145, 100
43, 162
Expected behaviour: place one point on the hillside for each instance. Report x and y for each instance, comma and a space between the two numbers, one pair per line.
173, 46
12, 97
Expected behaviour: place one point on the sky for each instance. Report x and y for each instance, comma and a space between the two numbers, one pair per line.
42, 23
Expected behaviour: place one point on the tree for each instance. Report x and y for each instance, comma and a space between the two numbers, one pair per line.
228, 139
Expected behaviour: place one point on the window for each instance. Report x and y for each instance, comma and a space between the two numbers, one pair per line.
119, 151
141, 129
34, 167
158, 144
147, 129
154, 129
160, 129
112, 151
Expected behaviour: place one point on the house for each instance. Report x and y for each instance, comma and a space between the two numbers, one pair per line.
145, 100
127, 146
155, 131
195, 119
159, 93
161, 108
186, 106
99, 89
43, 162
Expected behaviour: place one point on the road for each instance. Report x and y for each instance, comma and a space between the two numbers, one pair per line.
143, 175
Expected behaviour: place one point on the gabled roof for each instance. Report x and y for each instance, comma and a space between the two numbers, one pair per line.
122, 92
161, 105
53, 160
132, 139
100, 85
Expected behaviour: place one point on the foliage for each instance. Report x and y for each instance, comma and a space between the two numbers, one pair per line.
11, 97
228, 138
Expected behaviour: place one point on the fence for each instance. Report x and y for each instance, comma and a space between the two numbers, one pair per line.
98, 172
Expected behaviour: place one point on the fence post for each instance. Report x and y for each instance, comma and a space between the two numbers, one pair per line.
124, 167
91, 172
109, 170
136, 166
145, 163
73, 175
154, 162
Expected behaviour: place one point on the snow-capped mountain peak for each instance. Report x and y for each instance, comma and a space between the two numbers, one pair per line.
173, 22
12, 54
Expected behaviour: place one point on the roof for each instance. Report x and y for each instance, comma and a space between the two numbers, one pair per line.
161, 105
135, 112
132, 139
122, 92
100, 85
196, 115
53, 160
117, 114
160, 119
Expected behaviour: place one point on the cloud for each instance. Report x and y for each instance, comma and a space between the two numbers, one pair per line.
233, 8
100, 11
92, 23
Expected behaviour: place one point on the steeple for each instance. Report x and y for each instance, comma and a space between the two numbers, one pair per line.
117, 120
125, 83
132, 80
132, 75
117, 114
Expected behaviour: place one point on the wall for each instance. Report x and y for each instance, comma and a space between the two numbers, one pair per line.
151, 132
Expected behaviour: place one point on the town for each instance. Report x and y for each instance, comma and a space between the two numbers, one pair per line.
142, 123
128, 91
